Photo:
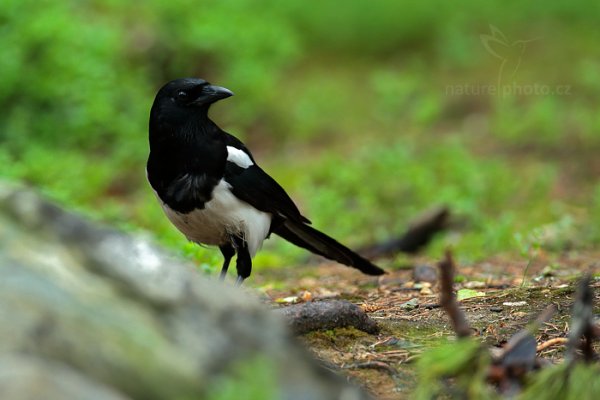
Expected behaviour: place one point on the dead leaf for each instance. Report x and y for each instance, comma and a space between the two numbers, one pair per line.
306, 296
288, 300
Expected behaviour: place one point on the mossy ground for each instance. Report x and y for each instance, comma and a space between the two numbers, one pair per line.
412, 321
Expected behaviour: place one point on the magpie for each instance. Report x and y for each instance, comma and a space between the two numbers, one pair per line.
211, 188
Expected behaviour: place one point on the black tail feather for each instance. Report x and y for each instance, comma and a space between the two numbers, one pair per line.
309, 238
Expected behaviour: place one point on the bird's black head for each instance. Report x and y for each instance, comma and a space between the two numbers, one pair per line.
191, 93
184, 99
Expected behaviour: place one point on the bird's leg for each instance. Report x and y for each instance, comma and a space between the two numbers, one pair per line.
243, 261
239, 280
228, 252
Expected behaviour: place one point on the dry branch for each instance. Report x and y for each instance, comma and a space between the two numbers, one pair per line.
583, 329
527, 333
448, 299
419, 234
373, 365
551, 342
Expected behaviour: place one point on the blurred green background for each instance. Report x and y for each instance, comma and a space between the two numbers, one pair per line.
367, 112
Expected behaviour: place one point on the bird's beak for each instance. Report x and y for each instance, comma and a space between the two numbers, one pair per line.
217, 92
211, 94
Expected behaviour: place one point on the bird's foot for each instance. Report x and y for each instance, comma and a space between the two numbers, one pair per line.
239, 281
222, 275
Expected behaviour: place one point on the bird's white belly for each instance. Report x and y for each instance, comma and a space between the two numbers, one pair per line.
222, 216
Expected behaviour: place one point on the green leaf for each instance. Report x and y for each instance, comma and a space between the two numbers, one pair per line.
463, 294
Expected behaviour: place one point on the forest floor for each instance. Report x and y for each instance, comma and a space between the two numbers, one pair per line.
499, 297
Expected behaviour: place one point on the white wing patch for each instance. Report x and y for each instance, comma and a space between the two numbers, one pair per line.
238, 157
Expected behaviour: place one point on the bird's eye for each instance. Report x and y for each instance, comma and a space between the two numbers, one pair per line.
181, 95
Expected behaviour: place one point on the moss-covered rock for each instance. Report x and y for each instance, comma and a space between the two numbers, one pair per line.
88, 312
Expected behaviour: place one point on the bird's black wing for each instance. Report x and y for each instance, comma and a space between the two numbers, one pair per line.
257, 188
254, 186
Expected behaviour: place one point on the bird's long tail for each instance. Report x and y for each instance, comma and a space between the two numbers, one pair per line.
309, 238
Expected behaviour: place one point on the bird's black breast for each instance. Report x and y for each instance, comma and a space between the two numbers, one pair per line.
184, 174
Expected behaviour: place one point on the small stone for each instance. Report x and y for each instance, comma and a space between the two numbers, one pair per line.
548, 271
514, 303
474, 285
426, 291
425, 273
410, 305
496, 309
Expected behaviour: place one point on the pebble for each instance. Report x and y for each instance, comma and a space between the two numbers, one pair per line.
410, 305
425, 273
426, 291
474, 285
514, 303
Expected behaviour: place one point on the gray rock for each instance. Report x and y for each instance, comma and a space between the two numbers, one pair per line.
425, 273
27, 378
88, 312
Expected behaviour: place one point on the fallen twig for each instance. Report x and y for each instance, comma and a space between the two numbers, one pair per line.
373, 365
518, 357
583, 328
532, 327
419, 234
448, 299
550, 343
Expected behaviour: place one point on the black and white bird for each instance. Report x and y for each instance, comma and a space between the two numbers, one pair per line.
212, 190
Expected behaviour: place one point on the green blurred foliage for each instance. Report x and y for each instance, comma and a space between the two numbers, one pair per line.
356, 108
459, 370
464, 361
253, 379
569, 382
